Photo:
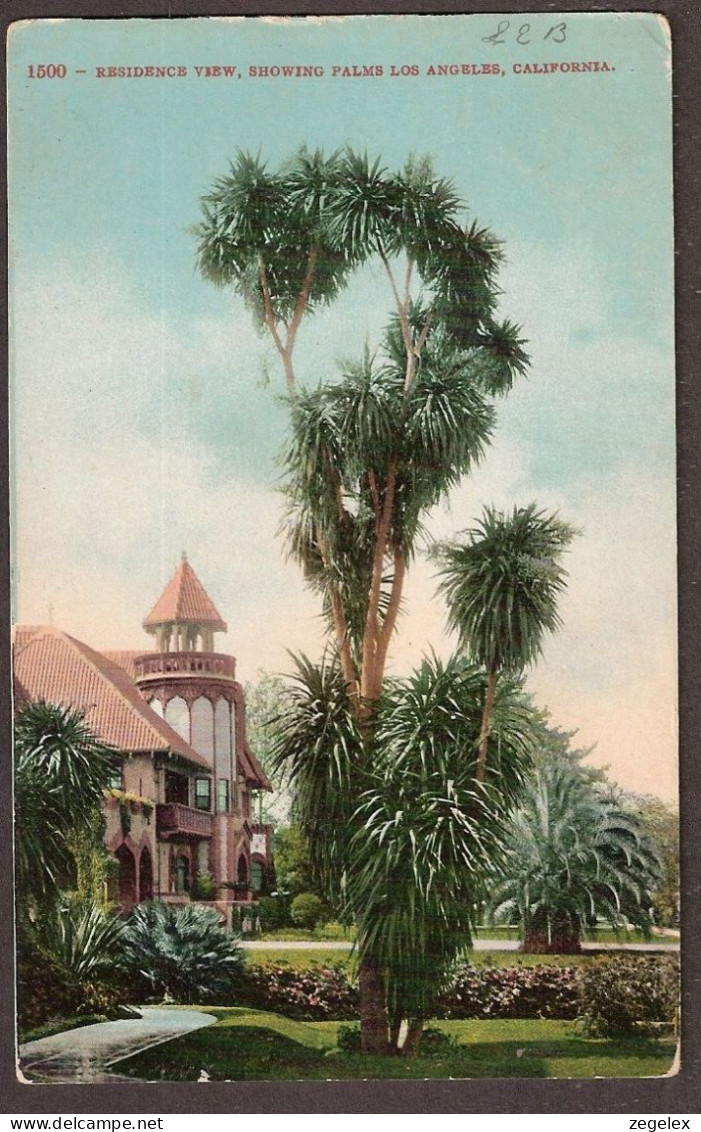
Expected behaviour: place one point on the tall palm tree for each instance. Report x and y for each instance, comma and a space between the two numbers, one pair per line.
501, 584
61, 772
370, 453
573, 855
406, 839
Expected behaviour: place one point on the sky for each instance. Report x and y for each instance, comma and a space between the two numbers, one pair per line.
147, 411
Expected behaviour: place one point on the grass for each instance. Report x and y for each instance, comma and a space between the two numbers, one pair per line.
335, 931
256, 1045
58, 1025
321, 957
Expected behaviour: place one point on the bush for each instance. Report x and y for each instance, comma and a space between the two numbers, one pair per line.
306, 910
543, 991
274, 912
348, 1039
317, 993
182, 952
629, 996
203, 887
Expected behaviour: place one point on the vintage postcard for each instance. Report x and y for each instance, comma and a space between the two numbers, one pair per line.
344, 548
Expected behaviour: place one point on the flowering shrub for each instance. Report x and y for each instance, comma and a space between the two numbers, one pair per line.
625, 996
315, 993
543, 991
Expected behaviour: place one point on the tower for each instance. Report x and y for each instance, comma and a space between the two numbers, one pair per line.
194, 688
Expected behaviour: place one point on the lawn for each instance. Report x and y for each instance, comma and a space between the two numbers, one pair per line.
325, 957
255, 1045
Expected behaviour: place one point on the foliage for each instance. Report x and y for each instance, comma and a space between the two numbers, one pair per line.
94, 866
82, 938
660, 823
501, 584
369, 455
348, 1039
61, 773
48, 991
314, 992
181, 952
428, 836
293, 867
274, 912
306, 910
573, 856
203, 887
541, 991
264, 703
627, 995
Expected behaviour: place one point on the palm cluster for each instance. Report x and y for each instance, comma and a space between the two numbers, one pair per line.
404, 838
289, 239
573, 857
61, 773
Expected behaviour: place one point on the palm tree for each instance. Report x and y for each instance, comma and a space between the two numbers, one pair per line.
501, 585
406, 838
369, 454
573, 855
61, 772
181, 952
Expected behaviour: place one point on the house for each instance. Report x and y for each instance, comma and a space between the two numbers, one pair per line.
184, 802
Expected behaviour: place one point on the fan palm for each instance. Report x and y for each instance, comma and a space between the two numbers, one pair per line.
181, 951
501, 585
573, 856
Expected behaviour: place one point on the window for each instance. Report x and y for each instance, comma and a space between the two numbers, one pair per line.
178, 716
203, 728
203, 793
223, 795
115, 779
257, 876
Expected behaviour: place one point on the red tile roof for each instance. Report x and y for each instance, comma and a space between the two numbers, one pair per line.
125, 659
53, 666
185, 599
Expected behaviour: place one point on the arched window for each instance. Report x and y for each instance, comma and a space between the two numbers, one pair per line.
202, 728
257, 876
156, 706
178, 716
222, 738
182, 874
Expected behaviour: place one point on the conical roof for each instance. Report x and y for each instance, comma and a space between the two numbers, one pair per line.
185, 600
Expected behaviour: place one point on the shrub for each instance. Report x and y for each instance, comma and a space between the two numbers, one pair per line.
274, 912
306, 910
323, 992
203, 887
542, 991
625, 996
435, 1043
348, 1039
182, 952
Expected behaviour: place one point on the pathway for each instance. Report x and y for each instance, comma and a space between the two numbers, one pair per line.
479, 945
84, 1056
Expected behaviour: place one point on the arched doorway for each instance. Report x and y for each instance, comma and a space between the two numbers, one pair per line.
145, 875
242, 871
182, 874
127, 877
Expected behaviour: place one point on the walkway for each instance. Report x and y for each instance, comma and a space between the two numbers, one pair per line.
479, 945
84, 1056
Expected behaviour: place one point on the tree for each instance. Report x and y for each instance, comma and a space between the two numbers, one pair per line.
573, 856
501, 585
61, 772
660, 823
264, 702
401, 822
372, 452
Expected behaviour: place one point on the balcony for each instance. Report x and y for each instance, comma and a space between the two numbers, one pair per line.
176, 820
156, 665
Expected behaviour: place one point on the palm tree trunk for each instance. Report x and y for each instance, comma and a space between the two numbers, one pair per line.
413, 1037
373, 1008
486, 720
